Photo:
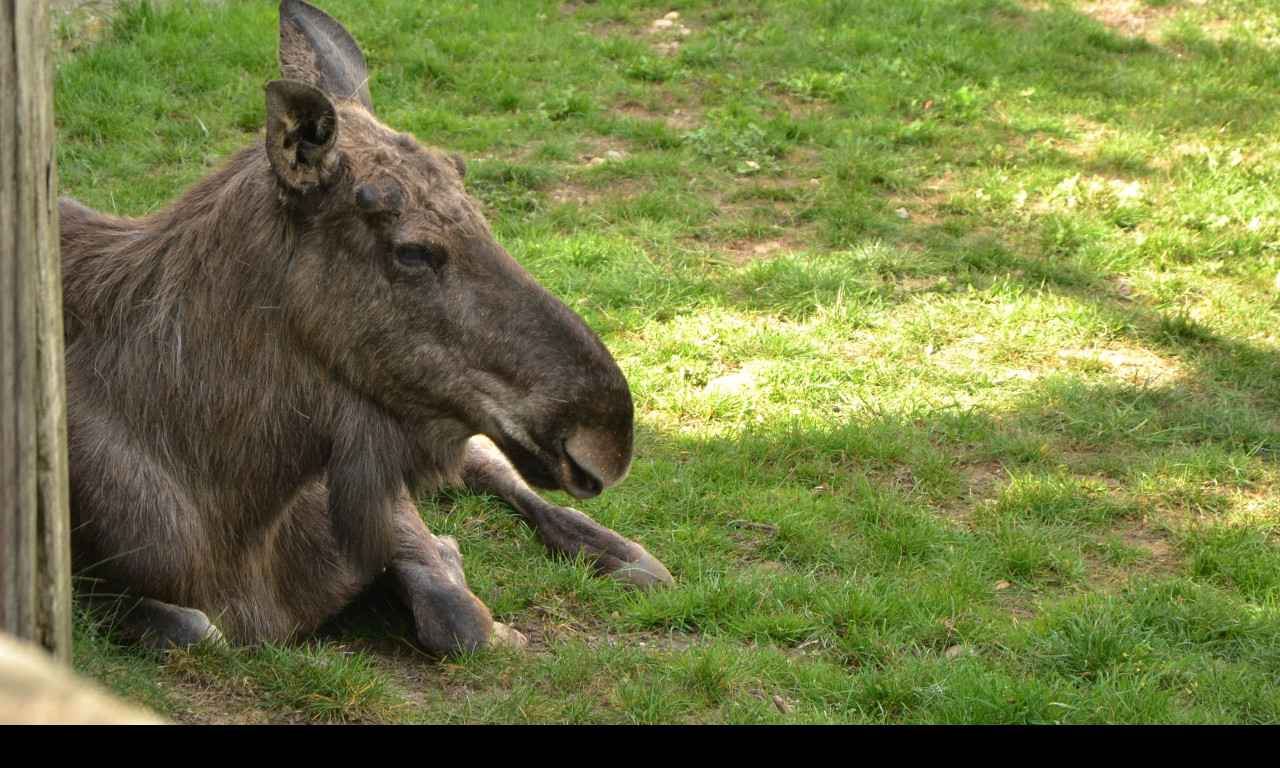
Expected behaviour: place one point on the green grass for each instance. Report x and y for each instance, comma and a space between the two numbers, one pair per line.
951, 329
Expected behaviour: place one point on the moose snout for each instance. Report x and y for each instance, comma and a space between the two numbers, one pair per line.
595, 460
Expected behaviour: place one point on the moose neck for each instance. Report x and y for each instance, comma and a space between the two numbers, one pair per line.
187, 306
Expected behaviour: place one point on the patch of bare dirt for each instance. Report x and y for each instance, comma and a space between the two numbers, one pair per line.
921, 205
802, 107
1134, 365
1018, 602
231, 703
573, 192
955, 511
981, 477
904, 479
1022, 21
665, 31
980, 482
1131, 18
750, 536
920, 209
668, 33
570, 7
749, 251
1160, 560
571, 195
1153, 541
678, 118
603, 147
77, 23
600, 150
1089, 136
1111, 483
1140, 366
908, 284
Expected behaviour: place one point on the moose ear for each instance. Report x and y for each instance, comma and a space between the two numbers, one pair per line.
302, 128
315, 49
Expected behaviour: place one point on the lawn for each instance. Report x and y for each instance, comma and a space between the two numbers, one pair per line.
951, 327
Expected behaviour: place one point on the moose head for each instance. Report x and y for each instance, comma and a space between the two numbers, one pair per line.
399, 288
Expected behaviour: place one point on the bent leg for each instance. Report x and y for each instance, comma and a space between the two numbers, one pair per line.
157, 625
428, 572
562, 529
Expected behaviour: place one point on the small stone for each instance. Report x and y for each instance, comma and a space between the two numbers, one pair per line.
672, 16
663, 24
953, 652
781, 704
1001, 585
902, 213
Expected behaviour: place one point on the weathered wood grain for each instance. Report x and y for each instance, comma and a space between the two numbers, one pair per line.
35, 594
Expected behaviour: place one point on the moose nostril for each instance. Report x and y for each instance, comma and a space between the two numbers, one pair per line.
604, 455
582, 483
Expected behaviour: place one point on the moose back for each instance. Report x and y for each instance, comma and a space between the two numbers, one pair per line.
261, 376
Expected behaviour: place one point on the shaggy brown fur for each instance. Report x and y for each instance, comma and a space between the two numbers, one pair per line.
260, 374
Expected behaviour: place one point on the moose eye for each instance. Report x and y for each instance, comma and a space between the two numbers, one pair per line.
416, 256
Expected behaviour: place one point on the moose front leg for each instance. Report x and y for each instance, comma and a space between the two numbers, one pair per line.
428, 572
157, 625
562, 529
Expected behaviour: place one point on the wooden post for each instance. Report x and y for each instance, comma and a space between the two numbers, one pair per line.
35, 565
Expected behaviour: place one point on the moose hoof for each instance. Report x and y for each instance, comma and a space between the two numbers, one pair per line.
164, 627
645, 572
213, 637
508, 636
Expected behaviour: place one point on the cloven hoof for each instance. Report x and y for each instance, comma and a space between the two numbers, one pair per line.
508, 636
645, 572
163, 627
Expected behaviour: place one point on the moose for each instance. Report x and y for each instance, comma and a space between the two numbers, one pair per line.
263, 376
